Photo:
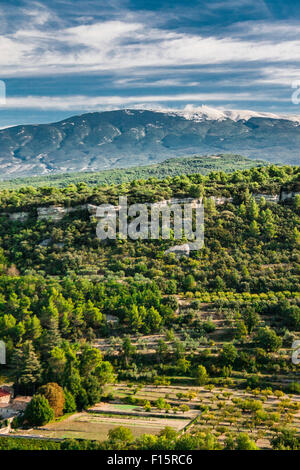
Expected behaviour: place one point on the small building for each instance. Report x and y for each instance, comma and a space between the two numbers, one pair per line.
10, 407
5, 396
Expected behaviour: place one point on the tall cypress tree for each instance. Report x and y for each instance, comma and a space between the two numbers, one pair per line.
28, 369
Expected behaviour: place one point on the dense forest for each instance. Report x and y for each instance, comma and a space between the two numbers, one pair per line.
170, 167
58, 299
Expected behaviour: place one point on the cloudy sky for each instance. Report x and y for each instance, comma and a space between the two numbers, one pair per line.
63, 57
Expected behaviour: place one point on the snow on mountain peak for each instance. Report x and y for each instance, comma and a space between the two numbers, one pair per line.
206, 113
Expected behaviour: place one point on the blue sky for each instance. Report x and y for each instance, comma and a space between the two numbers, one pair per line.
63, 57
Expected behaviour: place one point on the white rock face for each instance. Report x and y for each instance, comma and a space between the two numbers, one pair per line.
179, 250
268, 197
285, 195
92, 209
221, 200
45, 242
54, 213
19, 216
57, 213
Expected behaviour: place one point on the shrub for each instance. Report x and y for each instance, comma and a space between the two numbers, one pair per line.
294, 387
38, 411
120, 434
70, 403
55, 396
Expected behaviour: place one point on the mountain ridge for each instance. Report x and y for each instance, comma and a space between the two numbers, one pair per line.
130, 137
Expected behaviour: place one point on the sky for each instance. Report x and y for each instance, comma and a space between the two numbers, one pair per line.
59, 58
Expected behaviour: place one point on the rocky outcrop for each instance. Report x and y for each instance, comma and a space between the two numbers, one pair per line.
57, 213
45, 242
54, 213
288, 195
221, 200
274, 198
179, 250
19, 216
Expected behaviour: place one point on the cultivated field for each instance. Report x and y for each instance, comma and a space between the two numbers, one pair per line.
95, 426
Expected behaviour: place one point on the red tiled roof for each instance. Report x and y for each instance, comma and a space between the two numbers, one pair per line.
3, 393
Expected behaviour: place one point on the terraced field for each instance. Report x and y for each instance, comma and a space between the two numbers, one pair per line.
95, 426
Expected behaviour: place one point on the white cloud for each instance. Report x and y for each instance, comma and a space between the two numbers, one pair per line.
88, 103
129, 44
279, 76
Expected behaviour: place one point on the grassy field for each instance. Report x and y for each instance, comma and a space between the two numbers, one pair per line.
96, 426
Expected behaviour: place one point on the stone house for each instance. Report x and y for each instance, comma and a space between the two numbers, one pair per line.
5, 396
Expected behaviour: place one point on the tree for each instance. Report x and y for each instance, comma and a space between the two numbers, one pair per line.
251, 319
105, 373
201, 375
120, 434
162, 350
160, 403
267, 217
128, 350
268, 340
51, 336
169, 433
90, 359
33, 328
27, 368
55, 396
92, 315
70, 403
189, 283
253, 209
241, 329
147, 406
183, 365
153, 320
93, 389
243, 442
38, 412
135, 319
219, 283
184, 408
228, 354
286, 440
57, 362
296, 237
254, 229
82, 399
210, 206
196, 190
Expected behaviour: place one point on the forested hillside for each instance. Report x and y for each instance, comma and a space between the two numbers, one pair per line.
171, 167
83, 313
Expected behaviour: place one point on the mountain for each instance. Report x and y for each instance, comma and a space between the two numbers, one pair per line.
171, 167
129, 137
